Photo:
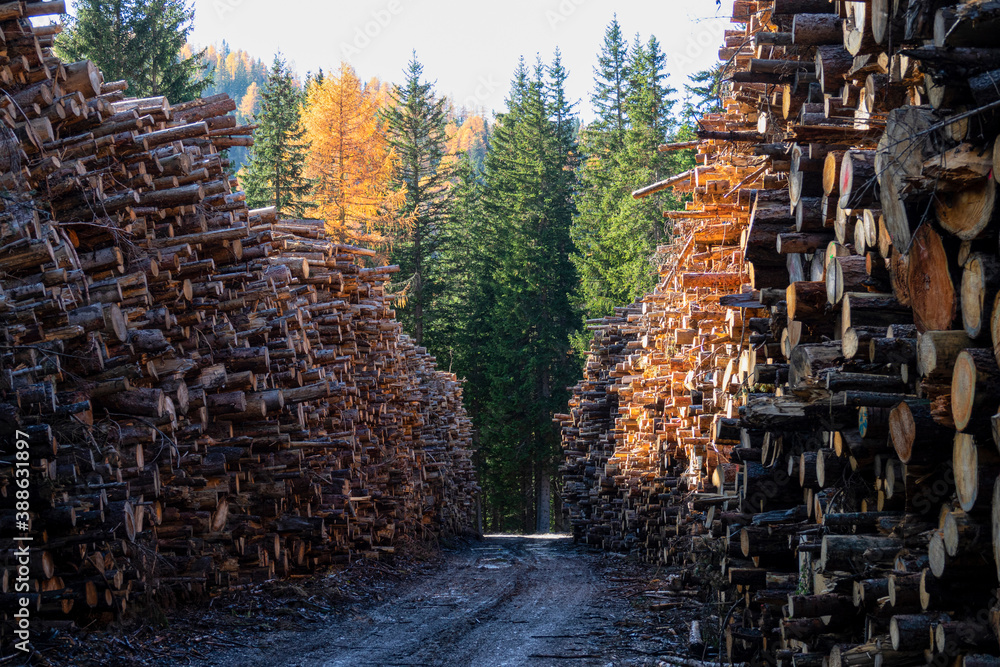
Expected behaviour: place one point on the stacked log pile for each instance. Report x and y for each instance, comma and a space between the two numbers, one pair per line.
805, 403
210, 396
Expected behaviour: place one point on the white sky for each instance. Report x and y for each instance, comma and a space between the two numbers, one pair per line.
470, 48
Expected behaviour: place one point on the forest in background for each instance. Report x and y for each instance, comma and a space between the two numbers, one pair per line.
510, 232
243, 77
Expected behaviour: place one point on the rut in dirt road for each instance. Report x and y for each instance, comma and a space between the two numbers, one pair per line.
507, 600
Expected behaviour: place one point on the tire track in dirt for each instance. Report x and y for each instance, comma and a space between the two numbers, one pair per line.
505, 601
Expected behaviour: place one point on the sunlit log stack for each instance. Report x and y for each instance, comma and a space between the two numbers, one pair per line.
802, 411
213, 396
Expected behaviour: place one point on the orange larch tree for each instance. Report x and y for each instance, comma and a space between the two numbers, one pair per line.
351, 161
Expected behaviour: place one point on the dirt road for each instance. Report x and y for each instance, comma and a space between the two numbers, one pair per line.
503, 601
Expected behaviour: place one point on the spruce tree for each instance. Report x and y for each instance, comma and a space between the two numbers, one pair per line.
616, 236
527, 202
275, 174
162, 29
462, 272
637, 227
139, 41
416, 123
464, 306
599, 193
649, 107
610, 89
101, 31
704, 93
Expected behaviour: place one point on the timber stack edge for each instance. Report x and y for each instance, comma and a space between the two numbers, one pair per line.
803, 413
204, 397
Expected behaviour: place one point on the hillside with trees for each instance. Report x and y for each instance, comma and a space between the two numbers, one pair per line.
239, 75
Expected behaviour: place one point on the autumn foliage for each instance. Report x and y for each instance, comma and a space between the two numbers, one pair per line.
468, 140
351, 162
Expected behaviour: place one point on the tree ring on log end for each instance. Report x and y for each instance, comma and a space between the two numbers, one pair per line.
973, 293
963, 389
902, 430
936, 557
965, 462
932, 292
966, 213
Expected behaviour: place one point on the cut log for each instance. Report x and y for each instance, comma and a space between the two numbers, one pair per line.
966, 465
785, 7
913, 630
832, 63
893, 351
967, 213
901, 153
858, 182
980, 285
975, 387
722, 281
937, 352
843, 275
915, 435
868, 309
798, 242
856, 341
930, 283
840, 550
882, 95
816, 29
807, 360
967, 25
806, 300
888, 21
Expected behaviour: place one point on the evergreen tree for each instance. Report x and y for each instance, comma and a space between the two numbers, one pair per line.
416, 123
313, 80
462, 270
651, 123
704, 93
275, 175
101, 32
610, 89
528, 209
615, 235
163, 29
139, 41
598, 192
